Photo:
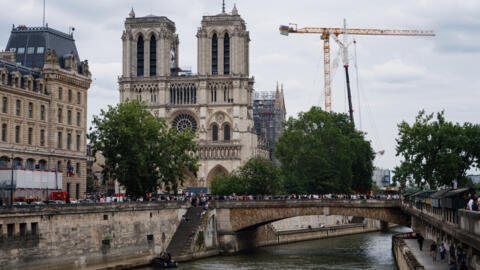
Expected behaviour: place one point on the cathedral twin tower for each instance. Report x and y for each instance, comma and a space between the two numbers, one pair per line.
216, 103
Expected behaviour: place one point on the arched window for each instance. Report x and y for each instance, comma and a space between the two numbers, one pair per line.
30, 164
226, 133
42, 165
214, 54
214, 133
140, 48
226, 54
4, 163
153, 56
18, 163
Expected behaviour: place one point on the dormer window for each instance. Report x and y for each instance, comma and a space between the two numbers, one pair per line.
13, 49
21, 50
40, 50
30, 50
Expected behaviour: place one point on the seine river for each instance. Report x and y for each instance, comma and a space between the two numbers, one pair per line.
360, 251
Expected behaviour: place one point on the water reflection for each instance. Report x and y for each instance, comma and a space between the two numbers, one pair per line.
360, 251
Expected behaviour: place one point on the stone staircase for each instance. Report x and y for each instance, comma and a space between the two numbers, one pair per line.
181, 242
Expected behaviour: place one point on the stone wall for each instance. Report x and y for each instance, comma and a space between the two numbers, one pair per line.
404, 258
74, 236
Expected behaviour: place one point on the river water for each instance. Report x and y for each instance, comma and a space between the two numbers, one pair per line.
359, 251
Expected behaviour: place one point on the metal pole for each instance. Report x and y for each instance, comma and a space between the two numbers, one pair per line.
11, 184
350, 107
43, 13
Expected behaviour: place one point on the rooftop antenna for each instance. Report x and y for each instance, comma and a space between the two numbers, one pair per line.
223, 6
43, 13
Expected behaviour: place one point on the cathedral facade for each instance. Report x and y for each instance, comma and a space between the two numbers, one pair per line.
216, 103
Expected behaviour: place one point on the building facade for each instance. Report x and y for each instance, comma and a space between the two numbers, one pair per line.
216, 103
269, 117
43, 112
382, 177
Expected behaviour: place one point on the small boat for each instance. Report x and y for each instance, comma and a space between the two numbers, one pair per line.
164, 261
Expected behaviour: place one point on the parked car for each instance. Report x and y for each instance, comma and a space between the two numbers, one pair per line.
19, 203
88, 201
37, 203
55, 202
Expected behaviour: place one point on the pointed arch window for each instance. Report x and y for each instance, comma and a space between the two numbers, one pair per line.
153, 56
214, 54
226, 54
140, 49
226, 133
214, 133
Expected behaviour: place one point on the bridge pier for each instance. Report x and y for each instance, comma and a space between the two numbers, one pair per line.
384, 226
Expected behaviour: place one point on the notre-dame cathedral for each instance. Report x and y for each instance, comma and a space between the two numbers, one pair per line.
216, 103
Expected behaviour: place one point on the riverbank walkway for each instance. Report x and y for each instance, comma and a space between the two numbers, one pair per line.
424, 258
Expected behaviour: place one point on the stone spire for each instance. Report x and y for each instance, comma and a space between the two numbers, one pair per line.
223, 6
234, 10
132, 13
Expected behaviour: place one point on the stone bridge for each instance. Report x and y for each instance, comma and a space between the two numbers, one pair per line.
236, 216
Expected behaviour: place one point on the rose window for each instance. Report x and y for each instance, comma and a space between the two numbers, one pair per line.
184, 122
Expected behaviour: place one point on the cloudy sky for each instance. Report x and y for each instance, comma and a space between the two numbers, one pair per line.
397, 76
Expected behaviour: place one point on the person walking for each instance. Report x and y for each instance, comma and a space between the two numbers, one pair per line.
442, 252
420, 241
433, 251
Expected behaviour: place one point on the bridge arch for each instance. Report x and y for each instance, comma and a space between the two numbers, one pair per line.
235, 216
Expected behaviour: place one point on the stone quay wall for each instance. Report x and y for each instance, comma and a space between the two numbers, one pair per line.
85, 236
404, 258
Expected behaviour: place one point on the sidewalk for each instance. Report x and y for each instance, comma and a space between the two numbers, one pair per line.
423, 256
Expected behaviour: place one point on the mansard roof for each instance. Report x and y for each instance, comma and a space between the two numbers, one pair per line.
37, 37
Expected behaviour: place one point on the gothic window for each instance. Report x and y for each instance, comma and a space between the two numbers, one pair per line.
226, 54
214, 94
184, 122
182, 94
140, 57
4, 104
214, 133
226, 133
153, 56
214, 54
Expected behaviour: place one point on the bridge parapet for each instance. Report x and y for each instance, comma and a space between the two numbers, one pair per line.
307, 203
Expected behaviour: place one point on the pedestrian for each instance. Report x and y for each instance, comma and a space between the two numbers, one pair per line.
475, 205
442, 252
451, 251
420, 241
433, 251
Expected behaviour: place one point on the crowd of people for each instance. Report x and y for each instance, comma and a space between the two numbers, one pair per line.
473, 203
457, 257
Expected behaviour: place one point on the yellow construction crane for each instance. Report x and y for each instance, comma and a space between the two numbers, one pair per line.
326, 32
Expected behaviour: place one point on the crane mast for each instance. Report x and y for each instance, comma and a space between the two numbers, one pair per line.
325, 33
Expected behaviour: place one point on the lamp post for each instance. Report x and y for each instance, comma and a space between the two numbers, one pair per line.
11, 184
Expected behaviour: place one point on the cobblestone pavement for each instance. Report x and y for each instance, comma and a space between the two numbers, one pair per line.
423, 256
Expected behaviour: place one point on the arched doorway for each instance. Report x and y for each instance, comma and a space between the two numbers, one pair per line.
217, 170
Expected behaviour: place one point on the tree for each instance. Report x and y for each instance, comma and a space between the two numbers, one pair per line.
140, 151
90, 185
256, 176
435, 151
321, 152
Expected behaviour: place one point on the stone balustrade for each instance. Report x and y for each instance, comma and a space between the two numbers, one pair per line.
220, 150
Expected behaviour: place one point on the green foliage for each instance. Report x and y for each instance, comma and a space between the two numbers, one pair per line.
256, 176
435, 151
90, 185
140, 151
322, 152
